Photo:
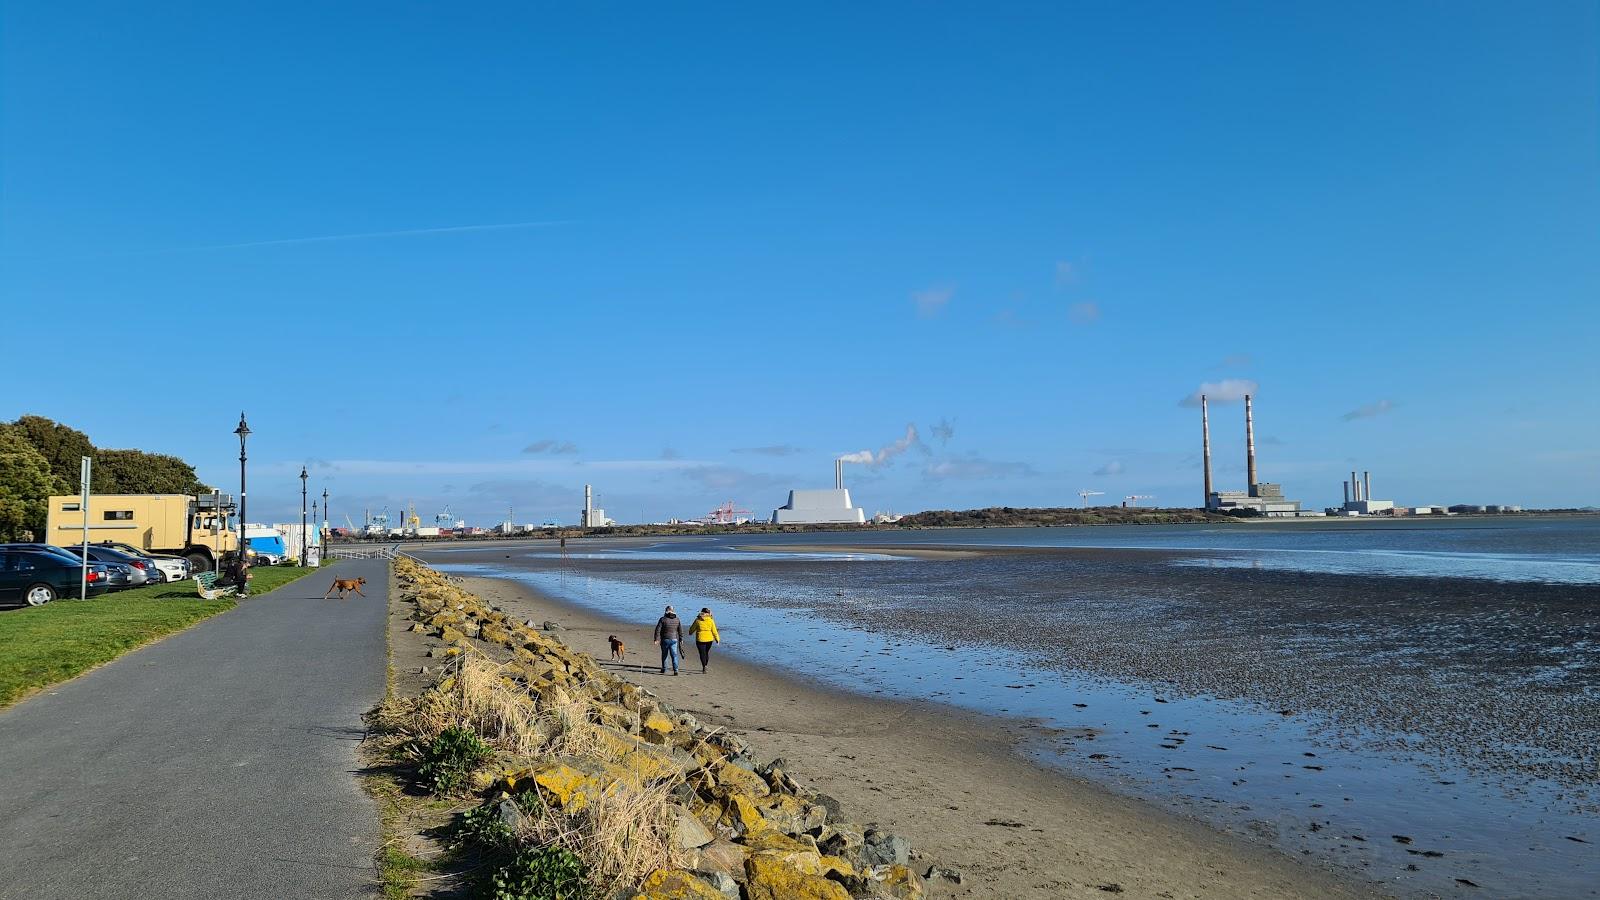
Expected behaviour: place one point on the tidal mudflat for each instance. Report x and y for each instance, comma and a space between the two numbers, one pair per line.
1423, 732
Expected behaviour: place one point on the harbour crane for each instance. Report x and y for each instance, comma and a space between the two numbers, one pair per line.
1133, 499
1087, 494
726, 514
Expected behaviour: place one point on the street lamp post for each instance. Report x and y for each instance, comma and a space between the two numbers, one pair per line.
326, 517
243, 431
305, 542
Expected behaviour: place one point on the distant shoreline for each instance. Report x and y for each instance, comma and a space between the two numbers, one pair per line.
624, 531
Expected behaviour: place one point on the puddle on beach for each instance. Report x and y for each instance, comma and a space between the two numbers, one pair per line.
1283, 777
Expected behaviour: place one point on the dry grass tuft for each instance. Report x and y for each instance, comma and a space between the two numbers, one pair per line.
622, 835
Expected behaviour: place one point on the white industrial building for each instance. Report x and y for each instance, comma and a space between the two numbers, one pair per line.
821, 507
592, 516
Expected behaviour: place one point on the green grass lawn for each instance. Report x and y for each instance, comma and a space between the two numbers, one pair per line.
40, 646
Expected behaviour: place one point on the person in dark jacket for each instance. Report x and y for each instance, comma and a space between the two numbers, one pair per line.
236, 575
669, 632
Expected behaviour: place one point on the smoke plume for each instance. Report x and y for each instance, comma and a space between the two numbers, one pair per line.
885, 453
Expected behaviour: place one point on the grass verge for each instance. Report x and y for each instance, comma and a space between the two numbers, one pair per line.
41, 646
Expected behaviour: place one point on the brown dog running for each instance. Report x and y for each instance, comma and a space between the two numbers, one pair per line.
343, 585
618, 652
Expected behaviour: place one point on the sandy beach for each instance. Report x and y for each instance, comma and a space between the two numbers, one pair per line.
951, 781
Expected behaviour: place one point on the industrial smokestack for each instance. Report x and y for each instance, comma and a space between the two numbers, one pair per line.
1205, 449
588, 505
1249, 447
1355, 486
838, 474
1366, 485
1346, 492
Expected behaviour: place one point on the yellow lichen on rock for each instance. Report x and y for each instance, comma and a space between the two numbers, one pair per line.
769, 877
676, 884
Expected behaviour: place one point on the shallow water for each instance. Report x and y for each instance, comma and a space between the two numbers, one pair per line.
1458, 713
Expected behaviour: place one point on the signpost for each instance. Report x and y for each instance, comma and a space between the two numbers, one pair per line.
83, 582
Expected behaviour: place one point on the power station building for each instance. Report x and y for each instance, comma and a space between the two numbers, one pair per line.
821, 507
1358, 498
1258, 498
592, 516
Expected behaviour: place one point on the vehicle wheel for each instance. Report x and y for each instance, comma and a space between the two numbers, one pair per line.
198, 562
39, 594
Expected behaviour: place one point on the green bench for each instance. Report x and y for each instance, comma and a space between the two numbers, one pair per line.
206, 584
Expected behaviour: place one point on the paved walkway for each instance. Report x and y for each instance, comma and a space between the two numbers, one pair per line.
219, 762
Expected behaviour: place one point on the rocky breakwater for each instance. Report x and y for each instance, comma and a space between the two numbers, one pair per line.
590, 786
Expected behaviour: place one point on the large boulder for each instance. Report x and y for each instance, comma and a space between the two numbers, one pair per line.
688, 832
739, 812
733, 777
676, 884
769, 877
883, 848
655, 727
792, 815
720, 855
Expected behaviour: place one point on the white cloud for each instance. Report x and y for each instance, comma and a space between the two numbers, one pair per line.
974, 468
485, 468
932, 301
721, 478
1113, 467
1085, 313
771, 450
1229, 390
551, 445
1369, 411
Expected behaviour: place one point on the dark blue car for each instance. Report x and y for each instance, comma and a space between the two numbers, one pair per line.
36, 576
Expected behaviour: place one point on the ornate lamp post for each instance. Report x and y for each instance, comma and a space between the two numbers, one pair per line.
305, 538
326, 517
243, 431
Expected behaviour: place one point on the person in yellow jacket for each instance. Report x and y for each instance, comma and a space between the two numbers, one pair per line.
705, 633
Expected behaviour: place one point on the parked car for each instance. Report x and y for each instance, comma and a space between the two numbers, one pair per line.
118, 576
48, 548
35, 577
171, 568
142, 566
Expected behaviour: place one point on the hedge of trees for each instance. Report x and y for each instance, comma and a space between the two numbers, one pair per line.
40, 457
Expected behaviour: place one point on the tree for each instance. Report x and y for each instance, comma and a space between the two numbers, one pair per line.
138, 472
63, 448
25, 483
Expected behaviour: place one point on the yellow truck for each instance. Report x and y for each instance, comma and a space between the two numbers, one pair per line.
196, 528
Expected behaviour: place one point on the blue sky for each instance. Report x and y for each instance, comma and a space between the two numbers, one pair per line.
480, 256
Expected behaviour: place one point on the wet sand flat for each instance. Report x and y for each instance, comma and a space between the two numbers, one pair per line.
1415, 731
951, 781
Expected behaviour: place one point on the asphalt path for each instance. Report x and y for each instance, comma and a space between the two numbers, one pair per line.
219, 762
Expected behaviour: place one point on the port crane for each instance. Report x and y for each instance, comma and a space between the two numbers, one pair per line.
1133, 499
1087, 494
726, 514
